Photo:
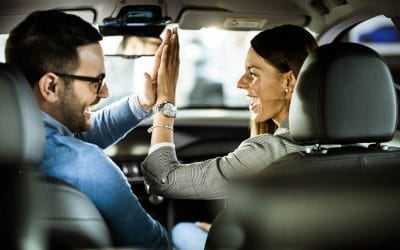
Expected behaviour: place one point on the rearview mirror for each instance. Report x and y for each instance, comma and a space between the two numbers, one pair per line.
130, 46
136, 20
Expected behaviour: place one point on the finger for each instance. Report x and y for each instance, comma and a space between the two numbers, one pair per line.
157, 61
167, 37
164, 57
157, 58
175, 49
148, 78
164, 42
159, 52
172, 48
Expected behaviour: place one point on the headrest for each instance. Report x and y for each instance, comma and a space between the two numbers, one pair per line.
344, 94
22, 139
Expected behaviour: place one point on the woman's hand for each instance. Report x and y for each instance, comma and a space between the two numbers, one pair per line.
168, 70
166, 84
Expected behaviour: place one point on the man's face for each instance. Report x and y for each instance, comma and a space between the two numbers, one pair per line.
79, 96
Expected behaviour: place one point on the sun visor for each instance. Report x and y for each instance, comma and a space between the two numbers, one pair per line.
197, 19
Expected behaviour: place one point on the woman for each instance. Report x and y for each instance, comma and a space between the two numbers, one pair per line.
272, 66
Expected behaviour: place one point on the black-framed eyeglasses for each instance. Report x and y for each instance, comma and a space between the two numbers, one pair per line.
96, 80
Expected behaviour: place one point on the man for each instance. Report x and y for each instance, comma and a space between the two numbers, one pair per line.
61, 57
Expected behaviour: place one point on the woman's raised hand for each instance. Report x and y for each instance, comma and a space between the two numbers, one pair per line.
169, 68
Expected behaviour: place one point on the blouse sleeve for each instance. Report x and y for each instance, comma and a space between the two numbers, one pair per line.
208, 179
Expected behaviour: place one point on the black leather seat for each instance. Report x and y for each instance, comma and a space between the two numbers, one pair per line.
21, 149
342, 193
37, 213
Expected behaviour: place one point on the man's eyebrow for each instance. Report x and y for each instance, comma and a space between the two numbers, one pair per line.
252, 67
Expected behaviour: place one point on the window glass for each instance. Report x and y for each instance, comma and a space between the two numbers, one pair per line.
380, 34
3, 40
211, 62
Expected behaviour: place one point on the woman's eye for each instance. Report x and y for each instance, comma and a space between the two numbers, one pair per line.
253, 74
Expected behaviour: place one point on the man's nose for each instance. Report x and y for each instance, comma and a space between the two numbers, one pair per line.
103, 92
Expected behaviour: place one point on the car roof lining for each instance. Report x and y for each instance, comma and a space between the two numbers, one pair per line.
301, 12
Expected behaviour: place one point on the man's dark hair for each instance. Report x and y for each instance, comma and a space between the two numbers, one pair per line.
47, 41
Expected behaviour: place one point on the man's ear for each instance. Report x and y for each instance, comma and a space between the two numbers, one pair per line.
49, 87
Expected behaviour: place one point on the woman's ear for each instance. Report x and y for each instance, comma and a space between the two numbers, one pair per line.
290, 82
49, 87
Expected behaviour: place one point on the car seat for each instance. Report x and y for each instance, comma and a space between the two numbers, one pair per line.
342, 192
37, 212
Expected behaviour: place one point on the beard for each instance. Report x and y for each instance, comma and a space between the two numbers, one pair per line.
72, 113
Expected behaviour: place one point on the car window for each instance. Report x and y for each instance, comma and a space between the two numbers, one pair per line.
212, 61
380, 34
3, 39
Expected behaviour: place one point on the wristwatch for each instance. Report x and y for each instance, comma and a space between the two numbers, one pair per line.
167, 109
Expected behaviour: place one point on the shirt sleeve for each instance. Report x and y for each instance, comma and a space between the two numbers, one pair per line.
113, 122
86, 167
208, 179
111, 192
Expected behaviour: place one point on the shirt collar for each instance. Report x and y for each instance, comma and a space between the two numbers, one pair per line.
52, 125
283, 128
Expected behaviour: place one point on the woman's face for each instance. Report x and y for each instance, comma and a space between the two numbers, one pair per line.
268, 90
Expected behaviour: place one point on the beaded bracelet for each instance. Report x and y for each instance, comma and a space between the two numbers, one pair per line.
167, 126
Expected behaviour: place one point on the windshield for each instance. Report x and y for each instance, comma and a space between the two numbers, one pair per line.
211, 63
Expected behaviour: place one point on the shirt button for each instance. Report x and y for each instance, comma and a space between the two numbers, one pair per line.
163, 181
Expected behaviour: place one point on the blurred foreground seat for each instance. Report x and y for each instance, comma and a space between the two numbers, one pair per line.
342, 193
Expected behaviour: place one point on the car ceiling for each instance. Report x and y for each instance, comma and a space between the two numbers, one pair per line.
318, 15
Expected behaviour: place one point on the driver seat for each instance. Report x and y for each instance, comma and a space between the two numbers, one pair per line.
37, 212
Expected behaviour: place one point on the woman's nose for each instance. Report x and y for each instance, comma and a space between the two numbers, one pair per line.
243, 82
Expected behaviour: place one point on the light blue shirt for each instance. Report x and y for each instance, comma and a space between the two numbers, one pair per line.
82, 163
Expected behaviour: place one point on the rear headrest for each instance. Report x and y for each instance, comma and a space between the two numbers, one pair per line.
22, 139
344, 94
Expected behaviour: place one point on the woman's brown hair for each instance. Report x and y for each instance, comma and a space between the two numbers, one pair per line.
284, 47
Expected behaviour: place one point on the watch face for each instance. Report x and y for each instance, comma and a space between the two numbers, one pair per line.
169, 110
169, 106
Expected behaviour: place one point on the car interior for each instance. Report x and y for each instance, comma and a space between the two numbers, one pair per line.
341, 193
345, 108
